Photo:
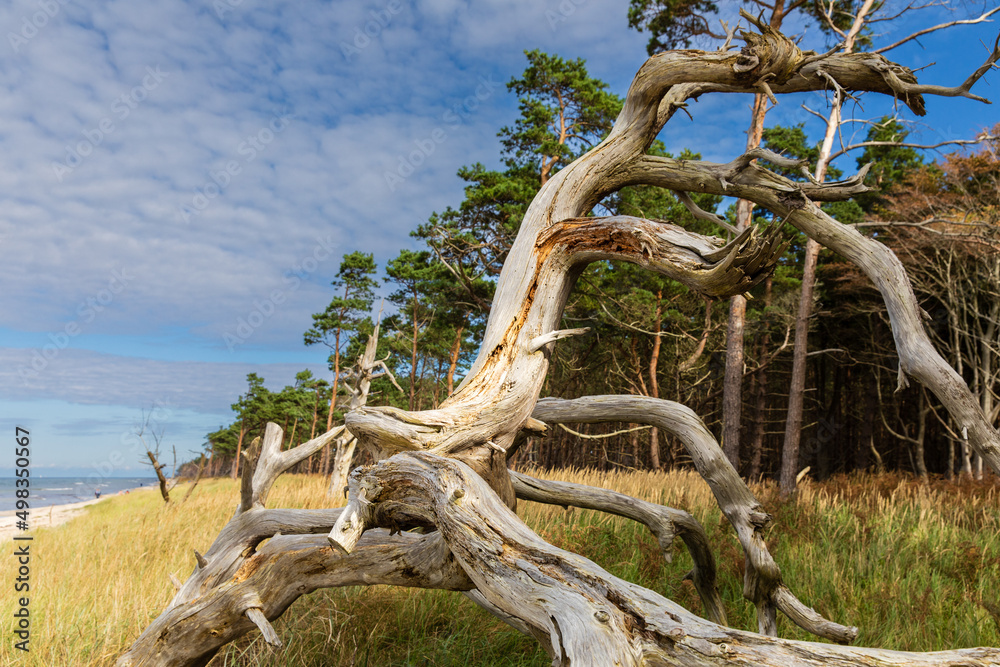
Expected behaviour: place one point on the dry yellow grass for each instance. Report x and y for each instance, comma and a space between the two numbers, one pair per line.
876, 552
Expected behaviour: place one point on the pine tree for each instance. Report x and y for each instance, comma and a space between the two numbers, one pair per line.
355, 293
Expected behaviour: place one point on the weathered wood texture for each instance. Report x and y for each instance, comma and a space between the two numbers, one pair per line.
446, 469
586, 616
762, 584
345, 443
664, 522
498, 393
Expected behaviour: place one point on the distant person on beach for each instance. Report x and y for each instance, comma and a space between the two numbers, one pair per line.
97, 493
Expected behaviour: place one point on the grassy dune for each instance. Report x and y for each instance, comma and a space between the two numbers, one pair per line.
915, 567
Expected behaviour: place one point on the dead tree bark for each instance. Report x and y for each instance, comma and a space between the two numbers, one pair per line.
197, 478
664, 522
581, 614
445, 469
732, 387
158, 467
345, 443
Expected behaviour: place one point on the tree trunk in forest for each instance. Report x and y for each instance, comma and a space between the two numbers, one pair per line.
699, 348
868, 424
987, 349
760, 404
324, 465
923, 409
732, 388
456, 350
413, 356
446, 469
634, 441
239, 446
336, 369
654, 385
312, 430
797, 387
793, 421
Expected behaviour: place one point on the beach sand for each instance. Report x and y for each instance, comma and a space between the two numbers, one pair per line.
53, 515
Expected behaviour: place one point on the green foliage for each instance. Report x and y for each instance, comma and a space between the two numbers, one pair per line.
564, 112
644, 326
676, 24
474, 239
300, 402
792, 142
223, 442
418, 279
891, 165
346, 309
254, 408
673, 24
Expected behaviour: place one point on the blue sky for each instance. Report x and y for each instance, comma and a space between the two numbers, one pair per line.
169, 169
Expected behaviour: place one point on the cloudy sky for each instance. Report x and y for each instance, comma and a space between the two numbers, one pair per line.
169, 169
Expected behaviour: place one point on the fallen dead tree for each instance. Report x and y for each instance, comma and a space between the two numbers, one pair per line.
445, 470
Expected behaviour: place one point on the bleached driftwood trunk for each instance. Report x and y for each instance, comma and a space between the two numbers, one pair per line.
445, 470
345, 444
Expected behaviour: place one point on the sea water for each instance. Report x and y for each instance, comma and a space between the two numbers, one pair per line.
47, 491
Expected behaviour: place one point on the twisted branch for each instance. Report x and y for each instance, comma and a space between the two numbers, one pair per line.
763, 584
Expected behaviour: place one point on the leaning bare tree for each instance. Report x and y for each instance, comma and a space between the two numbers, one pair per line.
146, 426
445, 470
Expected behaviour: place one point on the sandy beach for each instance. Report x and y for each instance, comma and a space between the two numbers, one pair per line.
53, 515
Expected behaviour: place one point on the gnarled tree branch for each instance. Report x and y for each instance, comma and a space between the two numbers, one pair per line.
447, 467
917, 356
762, 584
663, 522
584, 615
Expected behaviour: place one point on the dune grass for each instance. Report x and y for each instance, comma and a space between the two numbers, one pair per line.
916, 567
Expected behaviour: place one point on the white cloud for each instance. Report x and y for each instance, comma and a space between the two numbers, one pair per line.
94, 378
